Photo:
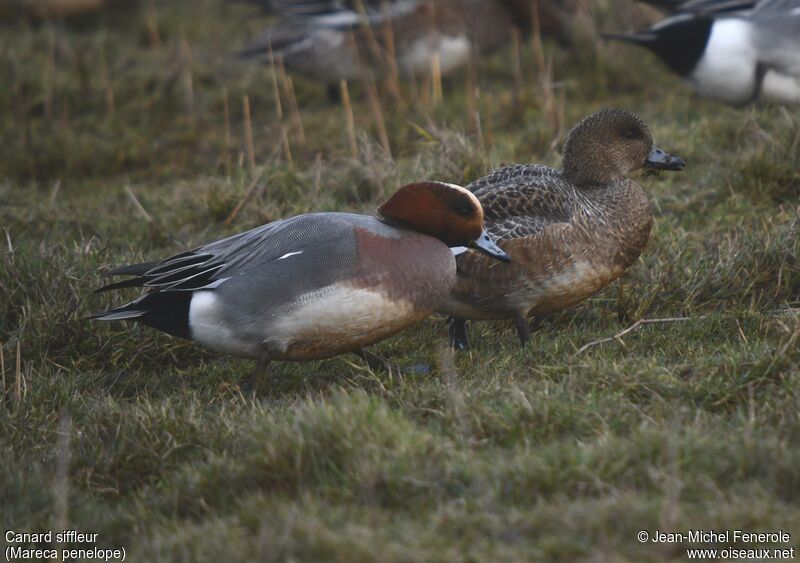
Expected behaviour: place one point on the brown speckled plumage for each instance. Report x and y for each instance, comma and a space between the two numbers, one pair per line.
569, 232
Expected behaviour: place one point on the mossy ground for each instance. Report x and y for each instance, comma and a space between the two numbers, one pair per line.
114, 149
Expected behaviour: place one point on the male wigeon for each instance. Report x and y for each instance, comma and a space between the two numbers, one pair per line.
737, 56
346, 39
569, 232
315, 285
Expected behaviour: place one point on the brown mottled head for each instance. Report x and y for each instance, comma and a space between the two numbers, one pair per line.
607, 145
447, 212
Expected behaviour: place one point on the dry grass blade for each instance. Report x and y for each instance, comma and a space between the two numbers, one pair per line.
2, 373
297, 119
61, 481
20, 386
436, 79
349, 118
377, 114
137, 204
634, 326
248, 132
245, 198
226, 137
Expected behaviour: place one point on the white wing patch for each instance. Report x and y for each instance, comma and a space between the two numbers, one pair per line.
290, 254
458, 250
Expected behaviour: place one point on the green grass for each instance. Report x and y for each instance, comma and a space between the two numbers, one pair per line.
502, 454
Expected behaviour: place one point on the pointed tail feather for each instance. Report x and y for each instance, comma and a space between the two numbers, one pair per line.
167, 311
133, 282
132, 269
119, 314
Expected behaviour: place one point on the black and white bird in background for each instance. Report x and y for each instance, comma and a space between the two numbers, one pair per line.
731, 50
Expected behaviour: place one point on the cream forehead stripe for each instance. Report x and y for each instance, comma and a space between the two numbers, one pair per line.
466, 191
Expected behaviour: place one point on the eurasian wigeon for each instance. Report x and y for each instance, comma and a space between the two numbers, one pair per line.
314, 285
737, 56
569, 232
337, 40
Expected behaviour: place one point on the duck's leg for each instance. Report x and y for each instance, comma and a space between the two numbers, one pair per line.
334, 92
523, 330
761, 72
458, 334
252, 382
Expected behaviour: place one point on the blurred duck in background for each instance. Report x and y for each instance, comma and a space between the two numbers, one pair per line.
337, 40
53, 9
729, 50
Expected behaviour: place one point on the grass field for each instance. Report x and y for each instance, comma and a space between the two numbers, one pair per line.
116, 147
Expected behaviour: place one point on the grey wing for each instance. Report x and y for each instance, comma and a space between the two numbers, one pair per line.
208, 266
521, 200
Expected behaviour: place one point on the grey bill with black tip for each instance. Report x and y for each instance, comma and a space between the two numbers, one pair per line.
660, 160
486, 244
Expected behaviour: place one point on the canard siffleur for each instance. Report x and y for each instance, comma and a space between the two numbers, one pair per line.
315, 285
569, 232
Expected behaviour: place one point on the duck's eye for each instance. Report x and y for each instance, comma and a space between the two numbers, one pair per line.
630, 133
463, 209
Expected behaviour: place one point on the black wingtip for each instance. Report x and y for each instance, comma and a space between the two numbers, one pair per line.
131, 269
118, 314
133, 282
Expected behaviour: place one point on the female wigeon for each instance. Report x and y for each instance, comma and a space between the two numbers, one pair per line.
315, 285
348, 39
569, 232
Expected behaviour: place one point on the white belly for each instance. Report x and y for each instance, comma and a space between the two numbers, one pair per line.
727, 70
321, 324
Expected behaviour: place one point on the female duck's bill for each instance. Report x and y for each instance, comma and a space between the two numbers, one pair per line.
315, 285
660, 160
